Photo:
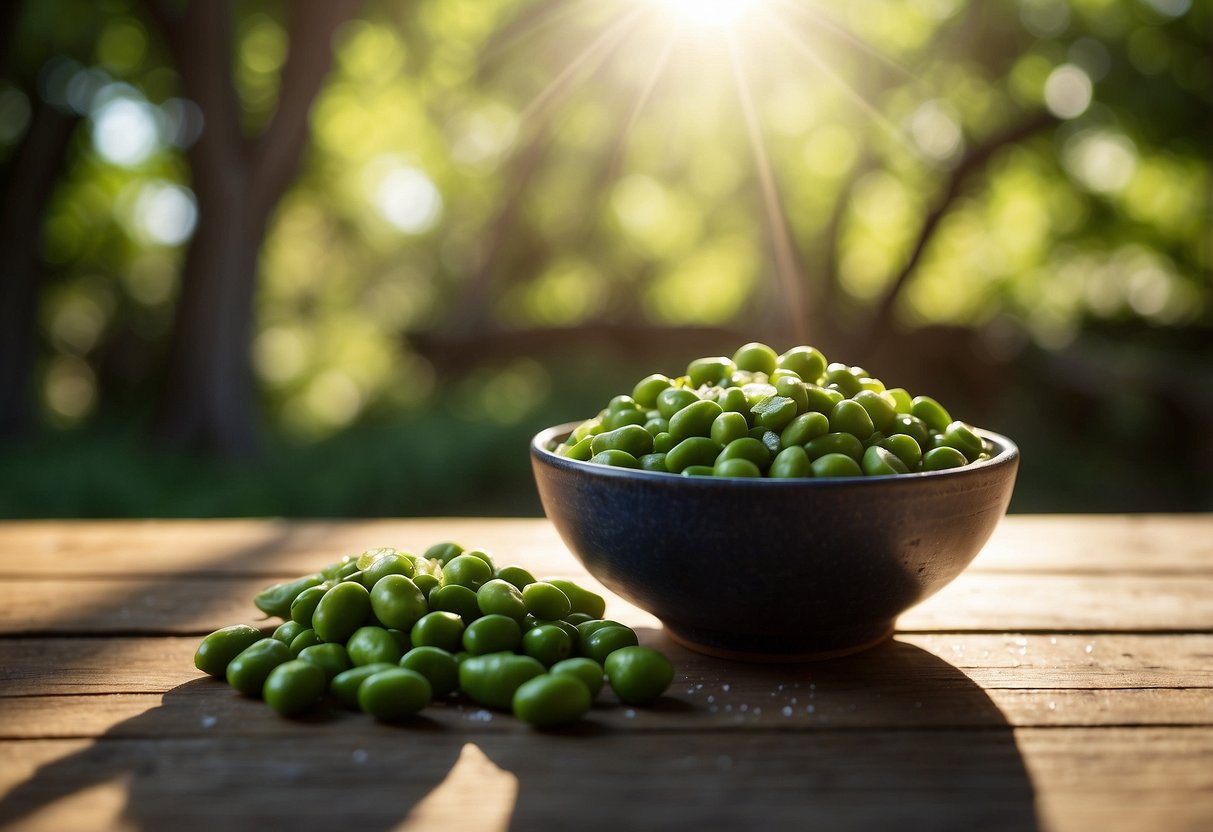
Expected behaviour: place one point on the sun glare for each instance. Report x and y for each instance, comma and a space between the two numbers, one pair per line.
714, 13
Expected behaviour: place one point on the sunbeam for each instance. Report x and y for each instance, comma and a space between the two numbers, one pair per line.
877, 117
786, 266
824, 21
599, 48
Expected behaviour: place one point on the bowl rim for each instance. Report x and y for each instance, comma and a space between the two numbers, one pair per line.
1008, 453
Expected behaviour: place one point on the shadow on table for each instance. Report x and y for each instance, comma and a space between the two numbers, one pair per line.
894, 738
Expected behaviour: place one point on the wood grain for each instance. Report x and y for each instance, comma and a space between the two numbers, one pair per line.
1063, 682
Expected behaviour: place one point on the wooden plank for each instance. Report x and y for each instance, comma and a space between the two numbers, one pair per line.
1103, 543
267, 548
56, 666
1055, 779
1112, 544
203, 708
974, 601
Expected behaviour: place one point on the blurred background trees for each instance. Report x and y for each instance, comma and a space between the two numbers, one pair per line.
344, 258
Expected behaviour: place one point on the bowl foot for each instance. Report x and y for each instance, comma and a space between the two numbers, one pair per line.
830, 644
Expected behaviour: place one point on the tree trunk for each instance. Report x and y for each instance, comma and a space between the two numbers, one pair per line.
34, 170
208, 398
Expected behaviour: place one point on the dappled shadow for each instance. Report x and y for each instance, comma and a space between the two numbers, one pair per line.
894, 738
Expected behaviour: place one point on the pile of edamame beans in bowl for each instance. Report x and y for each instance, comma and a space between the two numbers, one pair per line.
763, 414
388, 632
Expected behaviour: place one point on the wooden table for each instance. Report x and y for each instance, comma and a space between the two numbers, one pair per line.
1065, 681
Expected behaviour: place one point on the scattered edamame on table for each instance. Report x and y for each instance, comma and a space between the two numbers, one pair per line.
388, 632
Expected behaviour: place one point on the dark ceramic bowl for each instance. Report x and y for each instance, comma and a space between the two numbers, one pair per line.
774, 570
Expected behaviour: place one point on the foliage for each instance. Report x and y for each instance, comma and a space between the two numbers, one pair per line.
1031, 168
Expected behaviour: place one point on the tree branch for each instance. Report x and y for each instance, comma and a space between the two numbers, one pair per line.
275, 153
973, 163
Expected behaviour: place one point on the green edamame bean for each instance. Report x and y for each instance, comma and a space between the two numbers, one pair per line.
835, 443
657, 425
491, 680
747, 448
287, 630
755, 392
586, 628
646, 390
711, 370
339, 570
398, 602
569, 629
733, 400
501, 598
248, 669
587, 670
804, 428
653, 462
836, 465
791, 462
844, 378
581, 451
427, 584
663, 443
695, 419
219, 648
930, 412
878, 461
304, 605
599, 644
880, 408
907, 450
615, 458
330, 658
341, 611
794, 389
546, 601
276, 600
304, 640
849, 416
457, 599
582, 600
902, 401
822, 399
436, 665
443, 552
673, 400
638, 675
392, 564
547, 643
755, 357
619, 418
293, 687
962, 437
548, 701
942, 458
515, 575
467, 570
913, 427
699, 471
633, 439
394, 694
492, 633
369, 645
694, 450
344, 686
735, 468
728, 426
806, 362
438, 629
774, 412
